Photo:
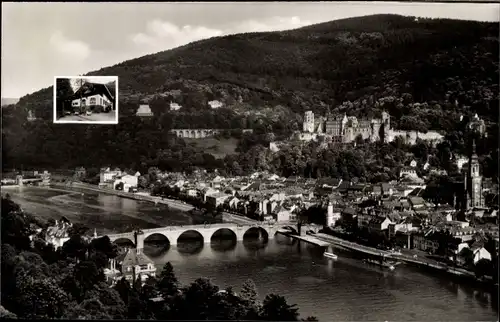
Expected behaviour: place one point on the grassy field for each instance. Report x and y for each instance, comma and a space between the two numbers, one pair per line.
218, 148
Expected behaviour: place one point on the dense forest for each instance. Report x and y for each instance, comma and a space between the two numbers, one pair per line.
429, 74
39, 282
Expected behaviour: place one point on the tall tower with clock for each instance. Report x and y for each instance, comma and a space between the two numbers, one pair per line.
473, 182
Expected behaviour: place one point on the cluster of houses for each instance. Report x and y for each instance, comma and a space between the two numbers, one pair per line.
31, 177
145, 111
394, 209
117, 179
129, 263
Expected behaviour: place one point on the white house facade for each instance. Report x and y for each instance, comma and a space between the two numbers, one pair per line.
93, 94
128, 181
94, 100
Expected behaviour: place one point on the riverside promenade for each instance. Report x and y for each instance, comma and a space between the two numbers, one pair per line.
335, 241
307, 238
419, 262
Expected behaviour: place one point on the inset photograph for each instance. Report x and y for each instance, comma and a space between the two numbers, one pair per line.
86, 99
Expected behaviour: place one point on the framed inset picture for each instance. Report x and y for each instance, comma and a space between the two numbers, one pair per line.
86, 99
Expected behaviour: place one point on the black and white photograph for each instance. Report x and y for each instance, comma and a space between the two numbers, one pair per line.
92, 100
250, 161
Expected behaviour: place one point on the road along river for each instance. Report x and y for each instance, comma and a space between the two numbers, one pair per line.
342, 290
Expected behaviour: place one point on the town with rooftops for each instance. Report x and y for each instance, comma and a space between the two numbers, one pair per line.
396, 216
340, 159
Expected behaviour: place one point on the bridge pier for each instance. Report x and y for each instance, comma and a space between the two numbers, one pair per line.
140, 242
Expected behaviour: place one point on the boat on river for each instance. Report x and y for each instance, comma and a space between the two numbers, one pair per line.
330, 255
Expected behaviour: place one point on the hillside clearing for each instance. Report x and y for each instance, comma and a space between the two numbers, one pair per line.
218, 148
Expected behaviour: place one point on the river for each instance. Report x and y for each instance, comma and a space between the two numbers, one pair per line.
342, 290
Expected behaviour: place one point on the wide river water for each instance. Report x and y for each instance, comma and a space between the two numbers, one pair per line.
342, 290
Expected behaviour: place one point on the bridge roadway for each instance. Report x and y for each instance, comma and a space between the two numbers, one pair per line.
172, 233
32, 180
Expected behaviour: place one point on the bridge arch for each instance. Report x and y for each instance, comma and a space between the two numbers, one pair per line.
191, 234
291, 228
256, 231
157, 238
224, 233
124, 241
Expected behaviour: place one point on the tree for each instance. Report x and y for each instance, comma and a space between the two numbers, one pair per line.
8, 280
275, 308
232, 307
484, 267
137, 308
87, 274
104, 246
250, 297
114, 305
14, 225
149, 288
40, 299
75, 247
168, 285
249, 293
99, 259
63, 92
467, 256
200, 301
78, 229
123, 289
89, 309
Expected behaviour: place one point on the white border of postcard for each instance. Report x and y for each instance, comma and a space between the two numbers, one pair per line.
107, 78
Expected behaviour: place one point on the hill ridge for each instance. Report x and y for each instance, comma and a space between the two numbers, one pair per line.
425, 73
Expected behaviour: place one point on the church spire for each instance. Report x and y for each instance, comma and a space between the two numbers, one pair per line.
473, 146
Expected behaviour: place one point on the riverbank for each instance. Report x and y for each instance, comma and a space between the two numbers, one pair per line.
80, 186
461, 274
307, 238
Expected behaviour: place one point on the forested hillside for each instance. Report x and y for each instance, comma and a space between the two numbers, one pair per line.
426, 73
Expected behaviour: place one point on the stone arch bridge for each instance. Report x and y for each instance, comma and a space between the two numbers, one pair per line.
195, 133
172, 233
201, 133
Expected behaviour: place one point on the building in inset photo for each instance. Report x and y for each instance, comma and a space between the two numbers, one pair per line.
86, 99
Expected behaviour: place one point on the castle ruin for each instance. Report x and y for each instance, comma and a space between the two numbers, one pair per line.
345, 129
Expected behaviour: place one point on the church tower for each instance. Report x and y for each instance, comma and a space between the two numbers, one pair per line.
473, 182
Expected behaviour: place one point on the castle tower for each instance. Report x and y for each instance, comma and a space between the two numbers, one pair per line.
344, 121
329, 215
308, 125
473, 182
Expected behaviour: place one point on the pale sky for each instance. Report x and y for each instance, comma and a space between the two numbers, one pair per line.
43, 40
